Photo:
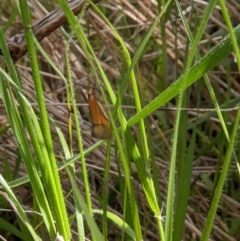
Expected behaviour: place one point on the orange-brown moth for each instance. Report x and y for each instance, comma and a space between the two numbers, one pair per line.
101, 127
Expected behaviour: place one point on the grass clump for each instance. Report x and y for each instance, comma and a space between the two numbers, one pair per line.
166, 77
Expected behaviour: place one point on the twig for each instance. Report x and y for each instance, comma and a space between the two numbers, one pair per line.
17, 44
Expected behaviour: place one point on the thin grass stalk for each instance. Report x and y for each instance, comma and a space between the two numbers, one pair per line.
231, 31
71, 99
71, 171
223, 175
105, 189
77, 29
230, 150
184, 183
80, 205
95, 232
170, 198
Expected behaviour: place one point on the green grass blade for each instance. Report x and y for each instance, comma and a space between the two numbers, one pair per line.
19, 132
29, 232
52, 181
206, 63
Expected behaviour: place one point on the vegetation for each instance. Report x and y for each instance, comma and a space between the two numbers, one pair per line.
167, 74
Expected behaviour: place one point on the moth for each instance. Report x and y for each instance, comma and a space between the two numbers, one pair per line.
101, 127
